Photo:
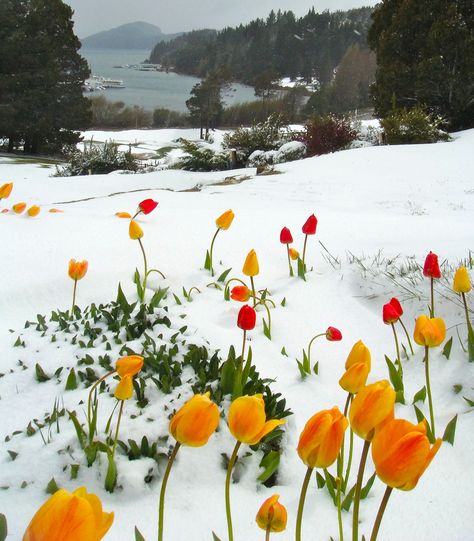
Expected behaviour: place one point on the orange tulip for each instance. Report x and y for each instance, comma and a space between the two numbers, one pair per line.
6, 190
225, 220
195, 422
124, 389
77, 269
129, 366
373, 406
294, 254
357, 368
401, 453
247, 419
135, 231
322, 437
55, 211
69, 517
18, 208
123, 215
429, 332
34, 211
250, 267
272, 515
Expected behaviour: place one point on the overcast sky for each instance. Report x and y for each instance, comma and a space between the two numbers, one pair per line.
171, 16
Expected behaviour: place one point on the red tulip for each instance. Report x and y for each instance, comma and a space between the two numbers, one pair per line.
431, 267
396, 304
247, 318
148, 205
390, 314
240, 293
309, 227
285, 236
333, 334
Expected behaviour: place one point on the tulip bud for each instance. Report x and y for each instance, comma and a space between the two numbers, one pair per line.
461, 282
250, 267
247, 318
294, 254
34, 211
129, 366
333, 334
135, 231
69, 517
429, 332
285, 236
431, 267
322, 437
240, 293
147, 206
373, 406
77, 269
122, 215
18, 208
6, 190
309, 228
357, 368
225, 220
272, 515
390, 314
247, 419
124, 389
195, 422
401, 453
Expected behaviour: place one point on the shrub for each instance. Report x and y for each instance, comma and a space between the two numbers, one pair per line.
413, 126
324, 134
115, 114
165, 118
97, 160
199, 158
291, 151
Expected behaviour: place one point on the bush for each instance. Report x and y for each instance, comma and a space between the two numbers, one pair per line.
324, 134
165, 118
97, 160
413, 126
199, 158
294, 150
115, 114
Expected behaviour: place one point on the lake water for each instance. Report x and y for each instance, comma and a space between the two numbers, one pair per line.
149, 89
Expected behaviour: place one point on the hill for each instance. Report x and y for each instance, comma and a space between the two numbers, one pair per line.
137, 35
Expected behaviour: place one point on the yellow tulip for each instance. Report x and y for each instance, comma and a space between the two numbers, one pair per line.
401, 453
294, 254
322, 437
129, 366
69, 517
373, 406
429, 332
124, 389
247, 419
77, 269
195, 422
6, 190
272, 515
55, 211
225, 220
357, 368
461, 283
34, 211
250, 267
135, 231
123, 215
18, 208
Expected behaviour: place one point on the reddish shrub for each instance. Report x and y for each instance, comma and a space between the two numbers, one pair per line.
324, 134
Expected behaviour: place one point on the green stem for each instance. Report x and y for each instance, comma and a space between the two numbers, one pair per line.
117, 429
73, 299
243, 351
358, 489
407, 335
432, 312
399, 361
230, 466
253, 292
145, 270
163, 490
311, 343
466, 310
137, 213
212, 249
289, 260
340, 458
299, 516
349, 461
267, 534
428, 389
339, 510
89, 401
264, 304
304, 250
378, 519
158, 271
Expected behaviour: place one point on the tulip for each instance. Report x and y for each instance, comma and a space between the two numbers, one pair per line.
309, 228
286, 238
6, 190
462, 285
357, 368
34, 211
191, 425
225, 220
248, 424
123, 215
431, 270
391, 313
401, 453
294, 254
18, 208
69, 517
333, 334
251, 269
272, 515
55, 211
76, 270
240, 293
129, 366
397, 306
124, 390
135, 231
247, 318
147, 206
318, 447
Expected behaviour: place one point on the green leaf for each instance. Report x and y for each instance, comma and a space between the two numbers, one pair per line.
301, 269
470, 342
111, 476
331, 485
306, 365
215, 538
447, 348
122, 300
227, 293
366, 489
320, 481
420, 417
41, 375
394, 375
224, 275
316, 367
450, 430
74, 471
138, 535
177, 299
303, 373
13, 455
283, 302
346, 504
71, 382
266, 329
470, 402
420, 396
80, 432
138, 283
270, 464
158, 297
3, 527
52, 486
207, 262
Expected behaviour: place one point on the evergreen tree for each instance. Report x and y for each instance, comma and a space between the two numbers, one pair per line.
425, 56
41, 76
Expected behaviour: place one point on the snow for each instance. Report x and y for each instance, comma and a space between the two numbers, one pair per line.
378, 208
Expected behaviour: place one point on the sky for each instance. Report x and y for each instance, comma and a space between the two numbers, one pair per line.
171, 16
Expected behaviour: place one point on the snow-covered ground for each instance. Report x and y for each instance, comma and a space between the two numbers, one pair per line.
379, 209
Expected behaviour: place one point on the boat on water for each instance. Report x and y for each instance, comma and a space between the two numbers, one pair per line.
97, 82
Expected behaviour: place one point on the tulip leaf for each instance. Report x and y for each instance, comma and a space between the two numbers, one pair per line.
266, 329
176, 298
207, 262
215, 538
331, 485
74, 471
447, 348
111, 476
320, 481
450, 430
41, 375
227, 293
224, 275
270, 463
283, 351
52, 486
316, 367
470, 402
303, 373
366, 489
283, 302
71, 382
346, 504
227, 376
122, 300
301, 269
138, 283
3, 527
420, 417
396, 380
138, 535
470, 342
158, 297
420, 396
80, 432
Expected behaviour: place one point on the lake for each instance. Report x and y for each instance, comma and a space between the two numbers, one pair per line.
149, 89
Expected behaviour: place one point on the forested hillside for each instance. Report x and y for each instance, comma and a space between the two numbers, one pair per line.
308, 46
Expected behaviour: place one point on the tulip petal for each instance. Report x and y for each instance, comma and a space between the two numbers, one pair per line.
247, 417
267, 428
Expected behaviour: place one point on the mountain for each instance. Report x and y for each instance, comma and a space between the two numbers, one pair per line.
137, 35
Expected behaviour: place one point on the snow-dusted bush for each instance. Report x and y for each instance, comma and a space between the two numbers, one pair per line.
201, 158
413, 126
289, 152
325, 134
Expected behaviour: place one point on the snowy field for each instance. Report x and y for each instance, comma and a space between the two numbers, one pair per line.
380, 210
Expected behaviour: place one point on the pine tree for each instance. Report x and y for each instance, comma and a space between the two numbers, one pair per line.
43, 77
